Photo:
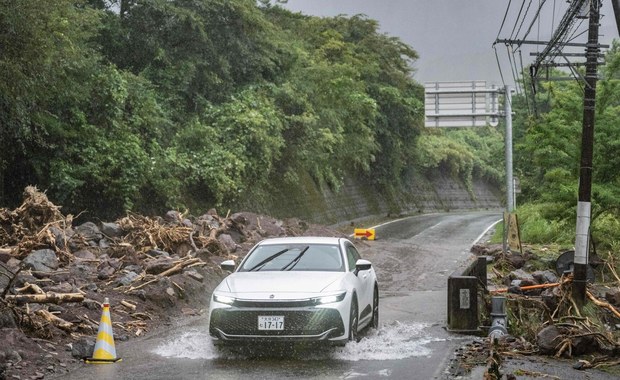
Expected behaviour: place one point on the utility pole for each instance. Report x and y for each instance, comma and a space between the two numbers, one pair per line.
509, 181
587, 147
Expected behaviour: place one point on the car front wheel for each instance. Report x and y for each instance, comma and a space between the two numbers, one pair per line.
353, 321
375, 309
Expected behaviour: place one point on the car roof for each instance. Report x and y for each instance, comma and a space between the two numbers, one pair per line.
303, 240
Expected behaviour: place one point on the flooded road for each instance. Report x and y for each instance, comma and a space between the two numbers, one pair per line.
413, 258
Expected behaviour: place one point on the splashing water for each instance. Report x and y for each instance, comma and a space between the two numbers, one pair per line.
391, 342
190, 345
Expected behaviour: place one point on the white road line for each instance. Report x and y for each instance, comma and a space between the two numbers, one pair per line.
485, 231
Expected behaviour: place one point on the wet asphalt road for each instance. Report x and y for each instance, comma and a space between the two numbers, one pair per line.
413, 258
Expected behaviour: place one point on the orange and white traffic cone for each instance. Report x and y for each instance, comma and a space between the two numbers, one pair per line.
105, 352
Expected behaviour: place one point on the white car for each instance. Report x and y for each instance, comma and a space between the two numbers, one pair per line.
311, 289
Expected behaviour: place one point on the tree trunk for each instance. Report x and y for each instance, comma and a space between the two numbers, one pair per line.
46, 298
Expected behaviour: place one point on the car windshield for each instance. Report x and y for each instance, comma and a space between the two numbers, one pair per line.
294, 257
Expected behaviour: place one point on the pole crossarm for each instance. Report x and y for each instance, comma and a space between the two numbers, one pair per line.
531, 42
560, 33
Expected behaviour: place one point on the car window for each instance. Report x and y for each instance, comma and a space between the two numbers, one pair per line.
297, 257
352, 257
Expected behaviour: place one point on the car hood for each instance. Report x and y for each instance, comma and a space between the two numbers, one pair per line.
289, 284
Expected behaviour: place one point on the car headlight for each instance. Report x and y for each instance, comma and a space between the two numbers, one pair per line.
330, 299
223, 299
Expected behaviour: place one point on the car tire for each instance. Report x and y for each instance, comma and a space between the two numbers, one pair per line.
353, 321
374, 323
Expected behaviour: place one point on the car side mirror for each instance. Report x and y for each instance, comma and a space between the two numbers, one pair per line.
228, 265
362, 265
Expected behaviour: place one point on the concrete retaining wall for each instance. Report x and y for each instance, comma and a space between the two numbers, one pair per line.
357, 199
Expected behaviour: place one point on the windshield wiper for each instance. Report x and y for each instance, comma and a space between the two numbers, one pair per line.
295, 260
268, 259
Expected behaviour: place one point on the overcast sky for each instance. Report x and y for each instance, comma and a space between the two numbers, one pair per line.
454, 37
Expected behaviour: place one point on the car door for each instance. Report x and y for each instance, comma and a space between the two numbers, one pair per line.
363, 280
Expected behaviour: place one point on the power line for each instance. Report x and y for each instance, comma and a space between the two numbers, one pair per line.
517, 21
527, 10
504, 19
536, 17
499, 66
560, 33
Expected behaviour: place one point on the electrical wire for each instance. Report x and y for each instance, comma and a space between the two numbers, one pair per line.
527, 101
553, 18
527, 11
538, 29
512, 68
512, 34
504, 19
499, 67
536, 17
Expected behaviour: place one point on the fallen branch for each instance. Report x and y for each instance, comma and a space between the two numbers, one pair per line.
46, 298
56, 321
128, 305
141, 286
604, 304
31, 288
178, 267
611, 265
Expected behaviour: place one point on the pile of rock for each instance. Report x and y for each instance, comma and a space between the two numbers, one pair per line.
54, 275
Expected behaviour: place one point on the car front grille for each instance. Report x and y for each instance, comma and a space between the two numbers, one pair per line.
275, 304
243, 322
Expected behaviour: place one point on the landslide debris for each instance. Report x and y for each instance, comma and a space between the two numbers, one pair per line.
54, 275
543, 317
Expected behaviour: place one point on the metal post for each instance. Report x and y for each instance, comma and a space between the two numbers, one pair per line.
508, 111
587, 148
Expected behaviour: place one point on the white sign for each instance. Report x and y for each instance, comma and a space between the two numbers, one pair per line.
465, 302
460, 104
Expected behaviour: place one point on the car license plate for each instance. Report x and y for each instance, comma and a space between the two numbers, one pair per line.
271, 322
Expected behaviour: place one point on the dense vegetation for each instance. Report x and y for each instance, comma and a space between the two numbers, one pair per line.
547, 156
115, 105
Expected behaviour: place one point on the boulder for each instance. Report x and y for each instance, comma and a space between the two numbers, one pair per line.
545, 277
157, 253
173, 216
515, 260
5, 256
64, 287
228, 242
43, 260
613, 296
551, 297
195, 275
85, 254
89, 231
158, 266
84, 347
548, 338
127, 278
525, 278
582, 345
61, 237
111, 230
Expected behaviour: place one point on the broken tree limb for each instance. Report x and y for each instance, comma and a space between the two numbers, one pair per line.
56, 321
604, 304
46, 298
178, 267
128, 305
30, 288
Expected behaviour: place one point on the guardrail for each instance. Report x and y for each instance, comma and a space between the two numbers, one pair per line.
463, 288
